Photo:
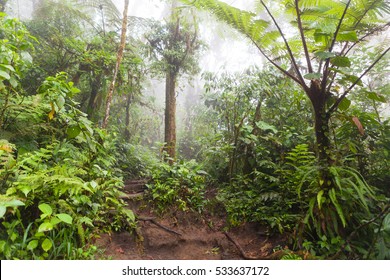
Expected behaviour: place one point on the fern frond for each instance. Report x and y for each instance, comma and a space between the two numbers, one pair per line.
108, 7
245, 22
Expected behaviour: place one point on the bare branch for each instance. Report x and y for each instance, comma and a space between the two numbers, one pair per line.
300, 27
326, 67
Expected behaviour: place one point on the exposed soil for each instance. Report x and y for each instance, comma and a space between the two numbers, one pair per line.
184, 236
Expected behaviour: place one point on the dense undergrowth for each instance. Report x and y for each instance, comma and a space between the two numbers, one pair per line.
250, 142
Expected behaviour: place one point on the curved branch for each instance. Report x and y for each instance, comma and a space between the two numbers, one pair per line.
385, 211
302, 81
277, 66
371, 32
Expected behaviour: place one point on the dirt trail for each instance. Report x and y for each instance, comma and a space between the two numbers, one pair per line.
183, 236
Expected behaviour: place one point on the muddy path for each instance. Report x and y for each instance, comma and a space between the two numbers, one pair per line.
184, 235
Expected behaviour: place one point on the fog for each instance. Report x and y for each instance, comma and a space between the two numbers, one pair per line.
227, 49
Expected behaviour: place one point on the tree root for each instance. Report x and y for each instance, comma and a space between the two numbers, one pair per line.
153, 221
274, 256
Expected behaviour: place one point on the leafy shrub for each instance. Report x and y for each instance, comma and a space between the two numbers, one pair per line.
259, 197
57, 196
135, 160
181, 185
330, 213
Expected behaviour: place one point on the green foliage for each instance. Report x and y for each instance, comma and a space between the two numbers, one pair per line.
175, 49
134, 160
181, 186
65, 186
15, 45
75, 189
329, 214
257, 197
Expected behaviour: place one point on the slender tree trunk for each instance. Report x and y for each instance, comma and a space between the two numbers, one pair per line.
95, 85
250, 159
170, 116
128, 104
118, 62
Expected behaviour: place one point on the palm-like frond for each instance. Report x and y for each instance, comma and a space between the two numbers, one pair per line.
246, 22
313, 26
107, 6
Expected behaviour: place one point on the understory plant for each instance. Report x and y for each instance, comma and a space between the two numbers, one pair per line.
59, 193
335, 219
180, 185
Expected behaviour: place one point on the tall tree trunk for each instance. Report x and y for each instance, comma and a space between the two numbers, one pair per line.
170, 115
95, 85
118, 62
322, 132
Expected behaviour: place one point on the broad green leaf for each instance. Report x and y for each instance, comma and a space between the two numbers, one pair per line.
344, 104
2, 245
47, 244
65, 218
10, 202
312, 76
7, 67
60, 102
39, 234
26, 189
54, 221
324, 55
14, 82
26, 57
333, 198
349, 36
73, 131
376, 97
319, 198
4, 75
93, 184
45, 227
3, 210
340, 61
32, 245
75, 90
129, 214
265, 126
322, 37
46, 209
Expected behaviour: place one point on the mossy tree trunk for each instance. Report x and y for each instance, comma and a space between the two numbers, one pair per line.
170, 115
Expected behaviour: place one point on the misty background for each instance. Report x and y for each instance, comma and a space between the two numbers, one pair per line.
226, 51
